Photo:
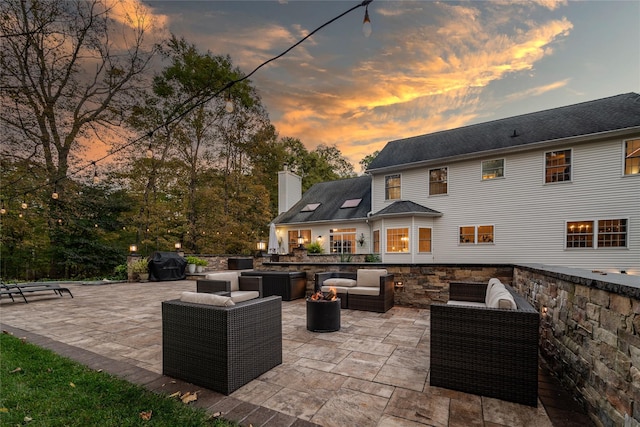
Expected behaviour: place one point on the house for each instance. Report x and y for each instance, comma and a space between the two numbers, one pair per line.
559, 187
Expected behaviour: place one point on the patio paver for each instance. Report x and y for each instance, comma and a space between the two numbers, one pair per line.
373, 372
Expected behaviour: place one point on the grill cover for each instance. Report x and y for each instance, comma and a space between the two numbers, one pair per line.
166, 266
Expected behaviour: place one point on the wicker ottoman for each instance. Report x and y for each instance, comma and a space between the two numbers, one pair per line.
221, 348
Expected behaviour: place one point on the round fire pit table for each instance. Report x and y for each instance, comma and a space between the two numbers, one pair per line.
323, 315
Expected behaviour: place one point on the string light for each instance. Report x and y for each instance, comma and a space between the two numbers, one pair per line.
366, 23
96, 178
3, 210
229, 107
55, 194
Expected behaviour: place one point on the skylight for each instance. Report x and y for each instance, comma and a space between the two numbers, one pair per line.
310, 207
351, 203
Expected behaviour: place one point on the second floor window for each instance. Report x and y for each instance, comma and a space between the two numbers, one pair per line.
438, 181
492, 169
392, 187
557, 166
632, 157
603, 233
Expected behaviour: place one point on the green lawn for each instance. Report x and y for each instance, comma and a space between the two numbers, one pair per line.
40, 388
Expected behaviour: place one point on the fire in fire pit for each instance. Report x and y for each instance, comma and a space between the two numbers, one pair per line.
321, 296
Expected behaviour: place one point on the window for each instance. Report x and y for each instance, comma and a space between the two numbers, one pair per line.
392, 187
424, 240
472, 234
351, 203
492, 169
376, 241
398, 240
293, 237
632, 157
580, 234
557, 166
437, 181
310, 207
609, 233
342, 240
612, 233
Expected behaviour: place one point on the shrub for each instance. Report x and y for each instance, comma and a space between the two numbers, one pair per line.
315, 248
140, 266
191, 259
372, 258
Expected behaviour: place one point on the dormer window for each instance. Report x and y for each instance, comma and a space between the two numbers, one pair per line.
310, 207
351, 203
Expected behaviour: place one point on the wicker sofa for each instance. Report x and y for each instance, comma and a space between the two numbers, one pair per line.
366, 289
486, 351
221, 347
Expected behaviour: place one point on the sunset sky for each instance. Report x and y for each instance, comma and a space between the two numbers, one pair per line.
427, 66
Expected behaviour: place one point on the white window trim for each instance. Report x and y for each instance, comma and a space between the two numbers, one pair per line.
429, 181
624, 159
544, 166
504, 169
475, 235
595, 234
385, 187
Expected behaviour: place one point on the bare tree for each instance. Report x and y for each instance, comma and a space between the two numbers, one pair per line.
68, 70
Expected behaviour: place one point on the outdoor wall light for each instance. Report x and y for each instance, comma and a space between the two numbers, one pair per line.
133, 249
545, 310
178, 246
300, 241
261, 245
319, 238
399, 284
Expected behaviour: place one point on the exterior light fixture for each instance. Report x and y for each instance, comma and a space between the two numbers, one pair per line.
300, 242
133, 249
178, 246
55, 195
261, 245
3, 210
366, 23
149, 153
24, 205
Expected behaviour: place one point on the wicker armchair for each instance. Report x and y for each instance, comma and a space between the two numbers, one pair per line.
485, 351
221, 348
240, 288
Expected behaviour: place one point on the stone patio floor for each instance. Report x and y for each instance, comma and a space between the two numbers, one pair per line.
373, 372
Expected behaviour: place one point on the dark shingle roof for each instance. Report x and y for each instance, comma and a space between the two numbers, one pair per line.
603, 115
404, 207
331, 195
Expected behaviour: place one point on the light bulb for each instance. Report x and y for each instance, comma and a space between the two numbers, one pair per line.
24, 205
149, 153
96, 178
366, 24
3, 211
228, 106
55, 195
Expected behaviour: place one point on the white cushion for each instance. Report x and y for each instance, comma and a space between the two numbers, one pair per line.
370, 277
467, 303
364, 290
339, 281
492, 281
338, 289
239, 296
493, 294
502, 299
231, 277
208, 299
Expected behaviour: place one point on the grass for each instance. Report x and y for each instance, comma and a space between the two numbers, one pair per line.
39, 387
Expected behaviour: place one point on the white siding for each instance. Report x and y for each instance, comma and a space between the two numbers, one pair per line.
529, 216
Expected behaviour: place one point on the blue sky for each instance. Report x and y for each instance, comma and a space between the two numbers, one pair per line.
427, 66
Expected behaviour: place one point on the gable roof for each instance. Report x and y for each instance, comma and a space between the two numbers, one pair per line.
331, 195
405, 207
587, 118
